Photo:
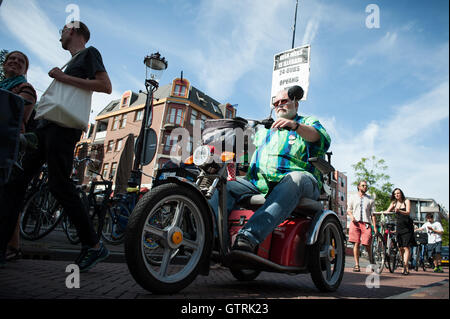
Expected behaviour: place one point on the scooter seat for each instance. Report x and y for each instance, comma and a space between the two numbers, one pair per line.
306, 206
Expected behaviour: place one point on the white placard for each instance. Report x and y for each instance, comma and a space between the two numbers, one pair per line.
291, 68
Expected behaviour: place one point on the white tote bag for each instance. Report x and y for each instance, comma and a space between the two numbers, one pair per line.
65, 105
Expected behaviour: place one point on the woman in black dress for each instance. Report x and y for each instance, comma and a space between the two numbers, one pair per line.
405, 227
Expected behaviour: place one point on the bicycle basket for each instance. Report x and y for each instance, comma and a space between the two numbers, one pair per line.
421, 238
222, 132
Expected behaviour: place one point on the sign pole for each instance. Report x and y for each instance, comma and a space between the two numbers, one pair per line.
295, 24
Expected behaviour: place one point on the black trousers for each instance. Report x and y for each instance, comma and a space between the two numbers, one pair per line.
56, 147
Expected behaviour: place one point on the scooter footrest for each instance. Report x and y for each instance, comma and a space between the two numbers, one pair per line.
246, 260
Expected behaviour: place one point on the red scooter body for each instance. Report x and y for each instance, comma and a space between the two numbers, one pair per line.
285, 246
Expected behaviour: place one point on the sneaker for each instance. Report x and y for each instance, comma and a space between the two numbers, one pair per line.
92, 257
438, 269
83, 252
244, 243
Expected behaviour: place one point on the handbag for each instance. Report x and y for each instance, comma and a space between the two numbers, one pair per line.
65, 105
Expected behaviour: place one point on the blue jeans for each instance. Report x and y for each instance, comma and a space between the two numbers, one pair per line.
278, 206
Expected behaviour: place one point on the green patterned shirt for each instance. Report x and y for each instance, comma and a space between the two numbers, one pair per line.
279, 152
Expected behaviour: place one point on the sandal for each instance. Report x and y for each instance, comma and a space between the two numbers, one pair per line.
405, 272
356, 268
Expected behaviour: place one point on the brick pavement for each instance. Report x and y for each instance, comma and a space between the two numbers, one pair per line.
45, 279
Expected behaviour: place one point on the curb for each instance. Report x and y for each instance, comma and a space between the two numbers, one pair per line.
421, 293
66, 255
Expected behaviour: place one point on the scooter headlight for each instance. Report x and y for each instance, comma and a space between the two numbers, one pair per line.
202, 155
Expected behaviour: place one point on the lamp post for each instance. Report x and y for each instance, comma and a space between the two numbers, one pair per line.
155, 65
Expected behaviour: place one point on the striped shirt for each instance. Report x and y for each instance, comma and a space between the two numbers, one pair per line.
279, 152
362, 208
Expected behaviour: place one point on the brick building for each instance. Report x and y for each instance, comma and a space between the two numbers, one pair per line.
177, 104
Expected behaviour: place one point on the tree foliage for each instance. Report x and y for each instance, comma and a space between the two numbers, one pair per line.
3, 54
373, 171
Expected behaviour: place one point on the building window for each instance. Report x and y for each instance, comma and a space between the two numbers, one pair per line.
125, 101
113, 169
229, 113
115, 122
123, 121
105, 170
110, 146
194, 115
204, 118
139, 115
169, 143
175, 115
180, 90
118, 145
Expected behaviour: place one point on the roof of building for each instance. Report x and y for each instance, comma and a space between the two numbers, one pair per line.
195, 96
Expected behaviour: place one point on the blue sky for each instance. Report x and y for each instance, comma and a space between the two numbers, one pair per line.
380, 91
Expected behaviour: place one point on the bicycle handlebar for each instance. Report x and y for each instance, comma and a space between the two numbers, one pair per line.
384, 213
101, 176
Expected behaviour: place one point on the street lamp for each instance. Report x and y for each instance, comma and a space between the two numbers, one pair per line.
155, 65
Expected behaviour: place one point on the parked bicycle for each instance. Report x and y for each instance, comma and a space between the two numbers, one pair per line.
421, 253
393, 256
378, 249
123, 204
103, 209
42, 212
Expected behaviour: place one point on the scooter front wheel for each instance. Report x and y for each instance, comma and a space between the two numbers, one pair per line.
167, 238
327, 256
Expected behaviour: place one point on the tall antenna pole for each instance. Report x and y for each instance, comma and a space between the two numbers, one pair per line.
295, 24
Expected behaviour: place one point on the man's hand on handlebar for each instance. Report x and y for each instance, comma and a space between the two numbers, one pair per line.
282, 123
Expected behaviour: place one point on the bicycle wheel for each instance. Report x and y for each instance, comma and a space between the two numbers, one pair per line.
116, 220
40, 215
392, 256
417, 258
378, 253
69, 227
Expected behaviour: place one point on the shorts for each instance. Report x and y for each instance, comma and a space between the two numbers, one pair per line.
434, 249
359, 233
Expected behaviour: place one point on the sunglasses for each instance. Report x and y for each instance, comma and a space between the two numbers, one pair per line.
281, 103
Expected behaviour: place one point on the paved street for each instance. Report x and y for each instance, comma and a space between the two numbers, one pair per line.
43, 275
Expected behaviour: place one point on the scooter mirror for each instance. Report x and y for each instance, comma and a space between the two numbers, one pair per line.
295, 92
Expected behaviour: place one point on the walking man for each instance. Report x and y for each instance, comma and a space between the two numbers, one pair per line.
56, 147
360, 210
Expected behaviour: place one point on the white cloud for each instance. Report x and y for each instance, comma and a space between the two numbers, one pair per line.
234, 40
311, 31
406, 140
383, 47
30, 25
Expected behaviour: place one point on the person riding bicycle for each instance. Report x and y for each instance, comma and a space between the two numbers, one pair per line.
279, 169
434, 231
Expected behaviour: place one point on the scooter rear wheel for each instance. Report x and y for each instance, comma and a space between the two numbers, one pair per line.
327, 256
167, 238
